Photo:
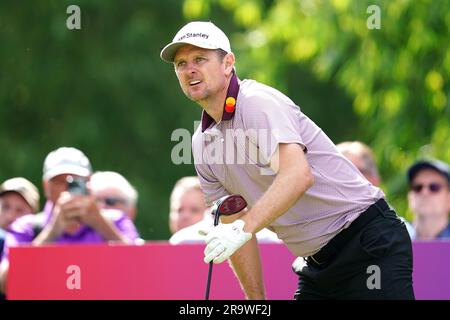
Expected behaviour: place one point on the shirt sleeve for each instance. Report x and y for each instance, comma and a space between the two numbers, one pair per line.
126, 227
269, 120
211, 187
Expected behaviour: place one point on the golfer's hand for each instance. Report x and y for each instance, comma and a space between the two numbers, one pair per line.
223, 240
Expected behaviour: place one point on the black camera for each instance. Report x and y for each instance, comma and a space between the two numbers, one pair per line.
76, 185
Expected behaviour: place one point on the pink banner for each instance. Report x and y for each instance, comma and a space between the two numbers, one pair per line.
160, 271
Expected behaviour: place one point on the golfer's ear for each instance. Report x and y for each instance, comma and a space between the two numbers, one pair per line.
229, 63
233, 217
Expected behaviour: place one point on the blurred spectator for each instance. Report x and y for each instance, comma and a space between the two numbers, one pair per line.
18, 196
429, 199
67, 217
189, 214
191, 234
113, 191
187, 204
362, 157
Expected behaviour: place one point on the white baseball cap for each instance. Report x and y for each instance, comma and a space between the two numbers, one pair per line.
200, 34
66, 161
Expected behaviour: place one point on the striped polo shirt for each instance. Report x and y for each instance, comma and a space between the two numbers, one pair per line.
232, 157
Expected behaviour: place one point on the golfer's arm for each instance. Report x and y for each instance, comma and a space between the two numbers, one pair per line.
293, 179
246, 264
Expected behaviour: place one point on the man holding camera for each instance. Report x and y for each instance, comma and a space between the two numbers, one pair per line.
71, 214
75, 216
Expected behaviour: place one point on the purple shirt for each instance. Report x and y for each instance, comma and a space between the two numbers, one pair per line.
232, 157
22, 232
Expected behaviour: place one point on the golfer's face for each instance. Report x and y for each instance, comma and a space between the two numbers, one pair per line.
200, 72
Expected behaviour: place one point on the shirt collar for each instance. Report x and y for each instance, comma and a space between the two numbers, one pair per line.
228, 112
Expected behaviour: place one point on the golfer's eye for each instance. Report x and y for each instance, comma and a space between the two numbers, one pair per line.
180, 64
199, 59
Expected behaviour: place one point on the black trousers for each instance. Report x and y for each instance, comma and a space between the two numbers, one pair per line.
371, 259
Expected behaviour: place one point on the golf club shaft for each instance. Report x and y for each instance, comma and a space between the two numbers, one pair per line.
208, 282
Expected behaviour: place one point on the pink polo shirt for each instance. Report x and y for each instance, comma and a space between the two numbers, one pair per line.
232, 157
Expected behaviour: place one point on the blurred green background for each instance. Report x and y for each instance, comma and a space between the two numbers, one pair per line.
104, 89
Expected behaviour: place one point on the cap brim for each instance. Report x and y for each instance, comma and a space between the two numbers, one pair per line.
33, 203
168, 52
412, 172
67, 169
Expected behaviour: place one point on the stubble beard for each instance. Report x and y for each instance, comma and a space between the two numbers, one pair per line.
200, 99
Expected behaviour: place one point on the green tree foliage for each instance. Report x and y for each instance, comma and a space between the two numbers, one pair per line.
396, 76
105, 90
102, 89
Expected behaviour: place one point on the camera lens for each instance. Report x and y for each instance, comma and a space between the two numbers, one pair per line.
69, 179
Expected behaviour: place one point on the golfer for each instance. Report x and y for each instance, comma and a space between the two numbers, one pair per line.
255, 142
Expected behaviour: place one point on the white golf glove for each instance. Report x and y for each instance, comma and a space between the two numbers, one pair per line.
223, 240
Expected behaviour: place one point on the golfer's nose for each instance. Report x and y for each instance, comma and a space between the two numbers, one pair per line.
190, 67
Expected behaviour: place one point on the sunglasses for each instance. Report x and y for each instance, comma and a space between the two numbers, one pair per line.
433, 187
113, 201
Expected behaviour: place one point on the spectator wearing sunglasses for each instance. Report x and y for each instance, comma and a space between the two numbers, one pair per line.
113, 191
429, 199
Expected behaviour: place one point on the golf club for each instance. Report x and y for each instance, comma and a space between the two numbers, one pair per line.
227, 205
